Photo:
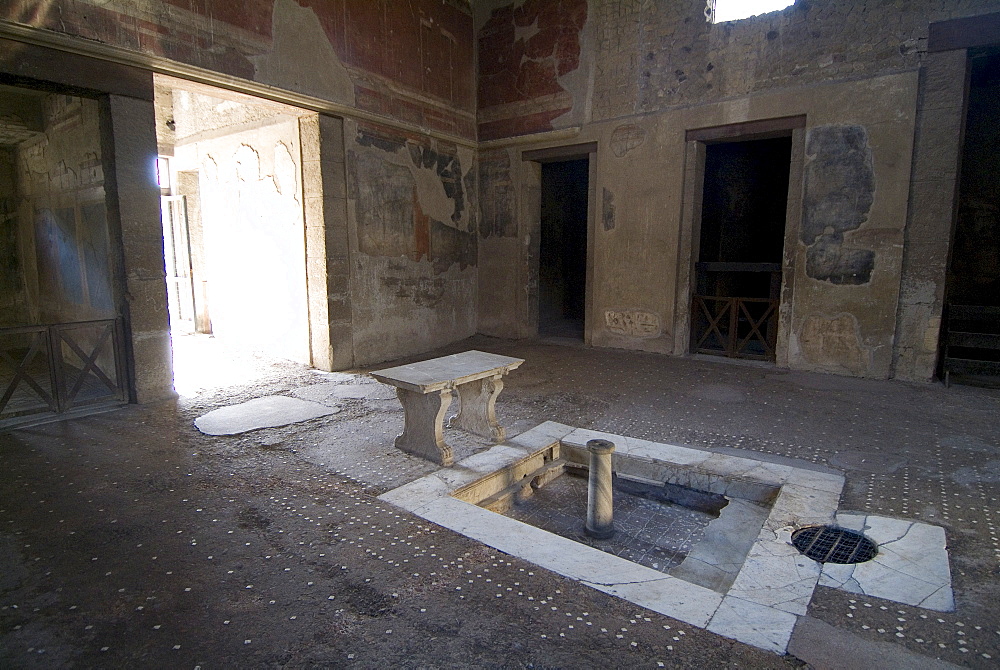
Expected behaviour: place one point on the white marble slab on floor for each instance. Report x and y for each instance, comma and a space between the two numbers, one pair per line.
268, 412
911, 566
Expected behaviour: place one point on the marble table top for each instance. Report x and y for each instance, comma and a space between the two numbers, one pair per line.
447, 371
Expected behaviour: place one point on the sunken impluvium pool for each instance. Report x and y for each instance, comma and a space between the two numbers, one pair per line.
737, 567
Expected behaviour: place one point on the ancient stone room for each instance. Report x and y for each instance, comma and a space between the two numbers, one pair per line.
500, 334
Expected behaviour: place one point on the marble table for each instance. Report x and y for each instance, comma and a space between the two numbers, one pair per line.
425, 390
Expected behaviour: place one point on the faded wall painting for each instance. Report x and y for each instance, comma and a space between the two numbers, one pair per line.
413, 209
526, 51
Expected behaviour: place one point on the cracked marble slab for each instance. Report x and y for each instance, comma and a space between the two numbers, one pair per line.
776, 574
675, 598
796, 506
752, 623
911, 566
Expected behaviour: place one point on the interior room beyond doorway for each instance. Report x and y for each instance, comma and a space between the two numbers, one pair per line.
738, 272
971, 338
562, 276
234, 229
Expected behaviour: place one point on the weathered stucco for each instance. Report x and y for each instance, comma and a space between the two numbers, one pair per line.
421, 218
412, 218
413, 61
529, 67
849, 171
302, 57
58, 257
838, 196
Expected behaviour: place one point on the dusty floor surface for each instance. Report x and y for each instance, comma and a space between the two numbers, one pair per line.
129, 539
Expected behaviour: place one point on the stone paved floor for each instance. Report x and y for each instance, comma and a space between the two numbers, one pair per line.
130, 539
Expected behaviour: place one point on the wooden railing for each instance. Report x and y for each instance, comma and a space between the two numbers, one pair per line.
734, 327
972, 344
60, 367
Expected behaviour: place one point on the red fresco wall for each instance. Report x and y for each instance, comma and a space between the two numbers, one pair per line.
522, 53
397, 52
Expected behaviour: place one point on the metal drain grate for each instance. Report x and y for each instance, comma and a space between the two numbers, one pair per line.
829, 544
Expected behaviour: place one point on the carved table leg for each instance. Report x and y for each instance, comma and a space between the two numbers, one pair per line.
423, 425
477, 413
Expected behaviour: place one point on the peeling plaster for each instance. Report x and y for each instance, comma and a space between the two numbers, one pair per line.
302, 58
579, 81
246, 162
531, 68
285, 181
410, 203
435, 173
525, 33
497, 195
608, 209
838, 197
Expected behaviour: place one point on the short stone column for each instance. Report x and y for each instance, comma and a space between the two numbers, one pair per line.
600, 498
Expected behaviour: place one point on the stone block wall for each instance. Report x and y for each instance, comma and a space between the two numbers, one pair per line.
135, 213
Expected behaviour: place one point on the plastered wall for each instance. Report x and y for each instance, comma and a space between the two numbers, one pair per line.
645, 74
411, 60
412, 213
61, 244
366, 298
447, 245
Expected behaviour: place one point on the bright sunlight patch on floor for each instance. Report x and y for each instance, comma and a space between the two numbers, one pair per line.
733, 10
203, 363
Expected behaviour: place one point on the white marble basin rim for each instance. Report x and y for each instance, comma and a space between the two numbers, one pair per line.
775, 582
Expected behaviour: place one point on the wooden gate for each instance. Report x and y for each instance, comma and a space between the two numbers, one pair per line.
59, 368
734, 327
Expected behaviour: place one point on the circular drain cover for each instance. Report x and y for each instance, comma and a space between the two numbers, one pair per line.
829, 544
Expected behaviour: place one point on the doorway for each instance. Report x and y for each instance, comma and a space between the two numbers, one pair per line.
234, 231
971, 340
178, 265
738, 271
562, 274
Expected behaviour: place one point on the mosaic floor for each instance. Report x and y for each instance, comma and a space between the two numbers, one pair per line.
84, 500
654, 534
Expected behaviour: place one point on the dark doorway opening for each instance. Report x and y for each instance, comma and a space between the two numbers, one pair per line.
738, 273
972, 295
562, 273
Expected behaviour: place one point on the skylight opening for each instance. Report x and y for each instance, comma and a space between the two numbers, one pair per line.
720, 11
